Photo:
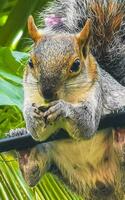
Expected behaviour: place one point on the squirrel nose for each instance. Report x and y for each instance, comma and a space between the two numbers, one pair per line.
48, 94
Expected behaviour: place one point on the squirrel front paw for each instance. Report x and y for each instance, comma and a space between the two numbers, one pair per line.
34, 119
37, 111
56, 110
36, 122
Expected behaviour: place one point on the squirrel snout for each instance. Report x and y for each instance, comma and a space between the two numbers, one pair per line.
48, 86
48, 94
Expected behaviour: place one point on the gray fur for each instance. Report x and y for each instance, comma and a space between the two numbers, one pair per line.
83, 118
113, 93
110, 55
80, 119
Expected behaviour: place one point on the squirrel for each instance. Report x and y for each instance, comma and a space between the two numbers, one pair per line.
74, 77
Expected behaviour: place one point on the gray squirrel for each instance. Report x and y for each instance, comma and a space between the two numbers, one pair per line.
74, 77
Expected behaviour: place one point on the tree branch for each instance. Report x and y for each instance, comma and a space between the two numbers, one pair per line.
116, 119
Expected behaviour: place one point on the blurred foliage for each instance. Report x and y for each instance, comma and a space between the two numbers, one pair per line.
11, 71
11, 91
13, 20
13, 36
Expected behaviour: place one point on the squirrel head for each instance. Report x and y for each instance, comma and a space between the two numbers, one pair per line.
59, 61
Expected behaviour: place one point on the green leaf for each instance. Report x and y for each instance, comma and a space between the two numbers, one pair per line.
10, 117
11, 70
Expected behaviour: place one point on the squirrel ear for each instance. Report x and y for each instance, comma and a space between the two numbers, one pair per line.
32, 29
83, 37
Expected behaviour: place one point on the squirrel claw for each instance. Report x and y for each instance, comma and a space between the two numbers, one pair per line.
37, 113
17, 132
53, 117
55, 111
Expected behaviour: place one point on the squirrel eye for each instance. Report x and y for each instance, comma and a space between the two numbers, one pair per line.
30, 63
75, 66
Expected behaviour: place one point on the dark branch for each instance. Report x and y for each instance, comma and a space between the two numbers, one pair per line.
116, 119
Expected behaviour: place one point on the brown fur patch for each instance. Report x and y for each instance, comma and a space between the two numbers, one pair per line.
111, 14
92, 68
86, 162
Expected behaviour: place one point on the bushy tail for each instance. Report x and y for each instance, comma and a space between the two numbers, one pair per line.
108, 38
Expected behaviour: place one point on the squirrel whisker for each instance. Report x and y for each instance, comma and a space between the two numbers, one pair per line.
35, 83
76, 84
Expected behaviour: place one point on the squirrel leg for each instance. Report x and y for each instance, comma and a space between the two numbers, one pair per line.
33, 162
